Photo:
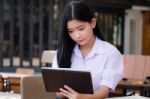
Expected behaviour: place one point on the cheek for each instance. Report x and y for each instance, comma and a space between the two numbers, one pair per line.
89, 32
72, 36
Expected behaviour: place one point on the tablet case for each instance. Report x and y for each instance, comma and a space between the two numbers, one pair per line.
54, 79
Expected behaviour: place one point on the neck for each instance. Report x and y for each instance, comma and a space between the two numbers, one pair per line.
87, 48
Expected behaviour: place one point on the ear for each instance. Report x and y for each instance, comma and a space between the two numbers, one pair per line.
93, 23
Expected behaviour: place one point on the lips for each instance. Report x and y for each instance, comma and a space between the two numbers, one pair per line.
80, 40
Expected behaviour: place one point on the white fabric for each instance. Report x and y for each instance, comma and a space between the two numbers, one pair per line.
5, 75
104, 62
129, 97
6, 95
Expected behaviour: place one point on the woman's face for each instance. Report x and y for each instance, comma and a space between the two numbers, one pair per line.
81, 32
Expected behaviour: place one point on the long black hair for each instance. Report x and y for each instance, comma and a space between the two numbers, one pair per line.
74, 10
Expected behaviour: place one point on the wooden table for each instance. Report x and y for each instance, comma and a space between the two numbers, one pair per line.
1, 83
14, 81
130, 85
135, 85
146, 90
4, 75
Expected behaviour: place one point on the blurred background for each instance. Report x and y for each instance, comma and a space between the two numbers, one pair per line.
27, 27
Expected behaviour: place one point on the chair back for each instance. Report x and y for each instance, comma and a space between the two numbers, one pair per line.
32, 87
48, 56
27, 71
147, 67
136, 66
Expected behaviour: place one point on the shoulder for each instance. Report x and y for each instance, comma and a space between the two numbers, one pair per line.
107, 47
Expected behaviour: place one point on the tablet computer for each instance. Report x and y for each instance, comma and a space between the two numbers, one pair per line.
55, 78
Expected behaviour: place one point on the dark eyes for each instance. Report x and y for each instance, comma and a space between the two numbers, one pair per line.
70, 31
79, 29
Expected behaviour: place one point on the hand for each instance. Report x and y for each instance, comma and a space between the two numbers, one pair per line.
69, 92
59, 95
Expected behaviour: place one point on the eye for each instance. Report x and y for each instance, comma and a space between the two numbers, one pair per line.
81, 28
70, 31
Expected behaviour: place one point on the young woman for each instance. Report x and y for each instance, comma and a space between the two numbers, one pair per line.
82, 47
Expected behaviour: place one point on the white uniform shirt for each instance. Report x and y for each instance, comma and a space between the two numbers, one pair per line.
104, 62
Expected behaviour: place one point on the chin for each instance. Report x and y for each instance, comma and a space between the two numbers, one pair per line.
81, 44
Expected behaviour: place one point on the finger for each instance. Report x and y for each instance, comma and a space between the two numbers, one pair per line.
58, 94
65, 93
69, 89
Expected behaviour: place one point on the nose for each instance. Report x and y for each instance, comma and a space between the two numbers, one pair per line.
78, 34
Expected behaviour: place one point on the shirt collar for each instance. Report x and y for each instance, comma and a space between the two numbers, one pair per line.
77, 51
97, 48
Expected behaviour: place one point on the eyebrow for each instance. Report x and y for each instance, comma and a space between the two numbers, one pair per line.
76, 27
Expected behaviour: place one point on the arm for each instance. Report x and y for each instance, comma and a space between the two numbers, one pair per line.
113, 71
111, 75
71, 94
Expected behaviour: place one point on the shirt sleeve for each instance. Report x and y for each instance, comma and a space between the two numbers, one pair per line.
55, 63
113, 70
